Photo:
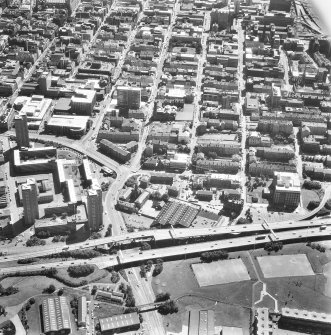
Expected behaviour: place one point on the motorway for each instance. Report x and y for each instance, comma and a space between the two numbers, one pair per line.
161, 235
131, 256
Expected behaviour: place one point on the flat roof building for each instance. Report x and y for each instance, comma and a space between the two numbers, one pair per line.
113, 150
36, 109
82, 311
128, 97
22, 131
83, 101
119, 323
287, 189
30, 201
35, 159
72, 125
94, 207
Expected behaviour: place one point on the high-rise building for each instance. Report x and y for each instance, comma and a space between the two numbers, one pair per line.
94, 207
30, 201
83, 101
236, 6
282, 5
128, 97
221, 17
287, 191
45, 81
22, 131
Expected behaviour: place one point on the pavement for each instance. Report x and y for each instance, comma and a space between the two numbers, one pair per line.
20, 330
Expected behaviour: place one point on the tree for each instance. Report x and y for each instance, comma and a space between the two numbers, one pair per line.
216, 255
80, 270
115, 277
32, 301
142, 271
162, 297
157, 269
50, 289
130, 301
213, 155
312, 205
95, 235
109, 230
145, 246
169, 307
312, 185
157, 196
165, 197
60, 292
94, 290
34, 241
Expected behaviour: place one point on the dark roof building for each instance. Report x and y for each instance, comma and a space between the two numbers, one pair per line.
175, 213
120, 323
56, 316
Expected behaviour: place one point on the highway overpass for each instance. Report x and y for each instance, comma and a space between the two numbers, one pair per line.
165, 235
131, 257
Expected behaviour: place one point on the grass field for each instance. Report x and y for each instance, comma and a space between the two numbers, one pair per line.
303, 292
327, 274
28, 286
221, 272
107, 310
93, 277
285, 266
230, 301
308, 196
225, 315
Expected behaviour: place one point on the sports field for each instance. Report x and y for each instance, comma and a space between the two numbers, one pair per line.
221, 272
285, 266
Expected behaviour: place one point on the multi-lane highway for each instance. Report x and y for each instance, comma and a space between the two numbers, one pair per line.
163, 235
132, 256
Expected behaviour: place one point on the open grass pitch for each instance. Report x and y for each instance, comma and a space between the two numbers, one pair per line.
285, 266
221, 272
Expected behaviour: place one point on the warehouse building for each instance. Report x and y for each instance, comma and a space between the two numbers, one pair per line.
82, 311
119, 323
199, 323
56, 316
176, 213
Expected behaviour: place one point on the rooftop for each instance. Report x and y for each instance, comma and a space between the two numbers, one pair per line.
119, 321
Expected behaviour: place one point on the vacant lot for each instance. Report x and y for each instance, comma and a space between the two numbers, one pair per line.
222, 272
285, 266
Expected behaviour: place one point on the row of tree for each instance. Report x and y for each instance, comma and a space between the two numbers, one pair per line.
211, 256
273, 246
77, 271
